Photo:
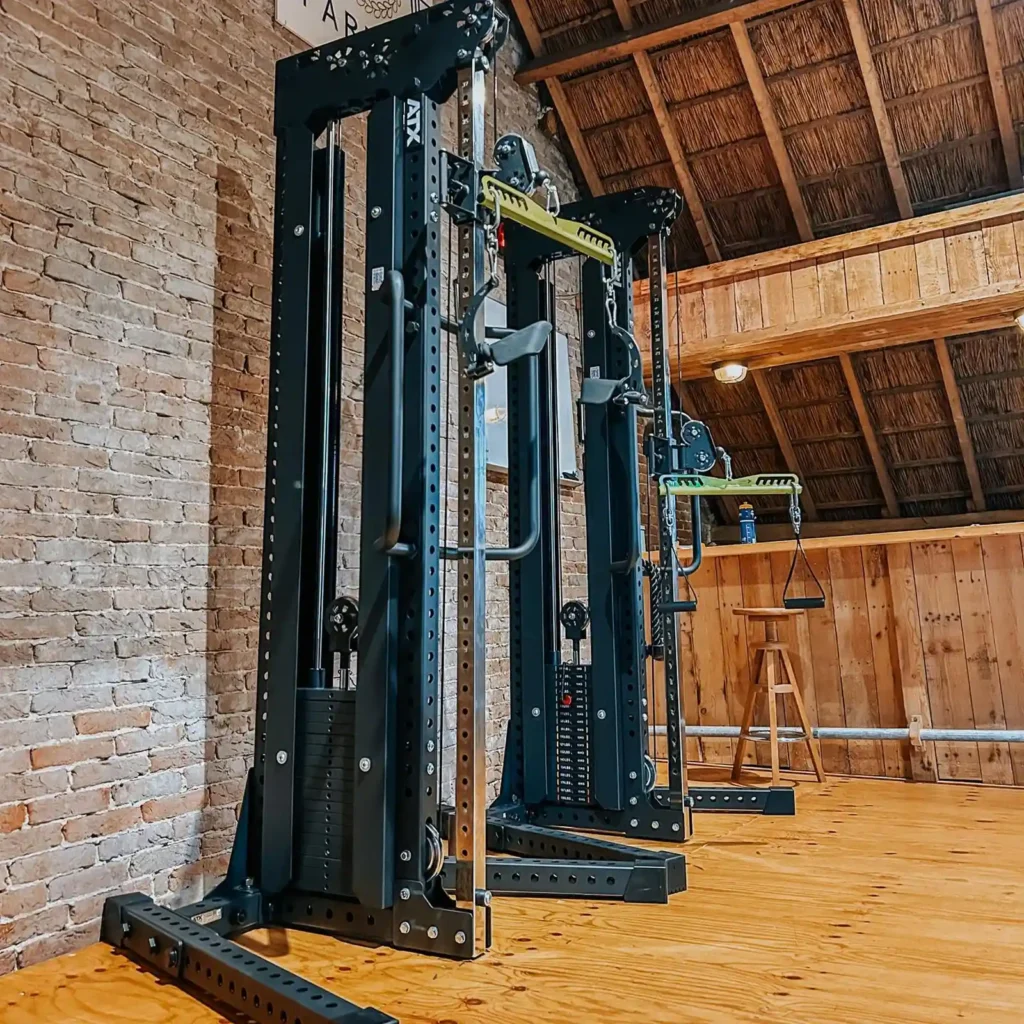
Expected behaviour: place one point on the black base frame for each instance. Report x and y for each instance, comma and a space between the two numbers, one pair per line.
538, 861
176, 947
775, 800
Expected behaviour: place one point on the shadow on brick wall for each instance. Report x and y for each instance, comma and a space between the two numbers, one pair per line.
241, 333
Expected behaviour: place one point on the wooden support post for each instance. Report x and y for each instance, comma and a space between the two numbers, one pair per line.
562, 106
963, 434
764, 389
771, 129
883, 125
909, 660
892, 505
1000, 97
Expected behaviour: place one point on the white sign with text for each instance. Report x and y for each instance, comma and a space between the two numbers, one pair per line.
322, 21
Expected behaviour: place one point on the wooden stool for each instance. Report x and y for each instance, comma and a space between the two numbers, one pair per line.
774, 675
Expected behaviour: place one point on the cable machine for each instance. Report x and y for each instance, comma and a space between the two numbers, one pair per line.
340, 825
577, 752
560, 863
576, 748
681, 454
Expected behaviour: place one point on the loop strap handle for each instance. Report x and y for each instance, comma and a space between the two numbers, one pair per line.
802, 602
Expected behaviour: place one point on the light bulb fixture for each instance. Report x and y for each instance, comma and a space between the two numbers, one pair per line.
1018, 318
729, 373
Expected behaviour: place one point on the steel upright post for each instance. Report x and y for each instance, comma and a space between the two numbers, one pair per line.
469, 837
667, 529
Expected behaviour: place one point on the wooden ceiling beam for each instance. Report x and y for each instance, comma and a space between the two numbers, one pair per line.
883, 125
764, 389
566, 26
956, 217
963, 434
644, 37
937, 31
1000, 97
989, 308
561, 102
892, 504
670, 138
935, 92
771, 129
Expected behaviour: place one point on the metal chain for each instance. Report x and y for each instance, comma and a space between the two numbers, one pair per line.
491, 240
552, 203
611, 283
795, 515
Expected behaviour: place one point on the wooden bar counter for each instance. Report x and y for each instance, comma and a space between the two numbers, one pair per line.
925, 623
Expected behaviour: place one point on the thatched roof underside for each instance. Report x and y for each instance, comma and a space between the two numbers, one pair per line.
909, 412
933, 75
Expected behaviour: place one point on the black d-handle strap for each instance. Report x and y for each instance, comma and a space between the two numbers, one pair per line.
802, 602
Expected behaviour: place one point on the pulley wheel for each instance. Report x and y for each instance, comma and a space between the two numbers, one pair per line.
650, 774
434, 854
574, 615
343, 621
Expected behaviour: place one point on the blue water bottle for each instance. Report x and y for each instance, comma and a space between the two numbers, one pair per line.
748, 524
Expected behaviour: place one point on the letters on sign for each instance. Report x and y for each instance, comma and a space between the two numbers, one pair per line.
322, 21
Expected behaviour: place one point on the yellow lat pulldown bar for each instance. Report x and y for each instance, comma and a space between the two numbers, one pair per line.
514, 205
741, 486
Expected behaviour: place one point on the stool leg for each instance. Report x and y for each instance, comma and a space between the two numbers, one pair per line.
773, 713
748, 713
813, 747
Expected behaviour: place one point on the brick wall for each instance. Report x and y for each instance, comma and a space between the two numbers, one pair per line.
136, 198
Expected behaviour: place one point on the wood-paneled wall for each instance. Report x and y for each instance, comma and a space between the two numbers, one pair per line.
928, 623
947, 273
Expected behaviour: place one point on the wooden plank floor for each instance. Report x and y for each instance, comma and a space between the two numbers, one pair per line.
881, 901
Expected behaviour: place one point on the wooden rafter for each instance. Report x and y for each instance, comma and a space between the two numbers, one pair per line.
892, 505
883, 124
764, 389
578, 22
562, 106
670, 137
579, 145
1000, 97
963, 435
770, 122
646, 37
679, 163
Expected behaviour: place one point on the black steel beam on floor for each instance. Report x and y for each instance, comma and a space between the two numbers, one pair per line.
539, 861
189, 953
779, 800
642, 880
